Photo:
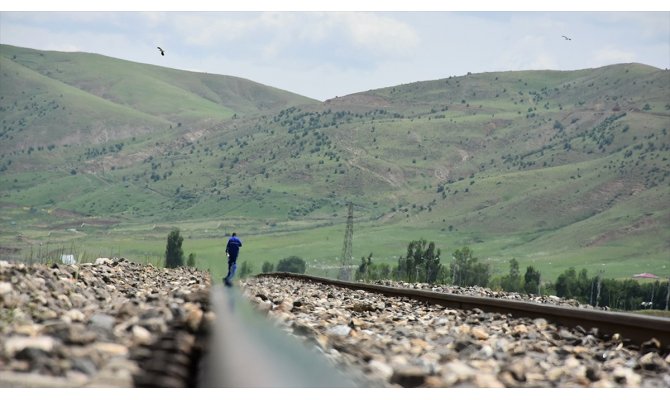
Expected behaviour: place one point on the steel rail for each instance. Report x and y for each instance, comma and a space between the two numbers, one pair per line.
632, 327
246, 350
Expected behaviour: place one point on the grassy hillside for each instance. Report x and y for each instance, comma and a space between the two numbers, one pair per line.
61, 98
556, 169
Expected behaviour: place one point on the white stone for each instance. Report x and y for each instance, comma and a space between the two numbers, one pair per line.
5, 288
15, 344
141, 335
75, 315
381, 369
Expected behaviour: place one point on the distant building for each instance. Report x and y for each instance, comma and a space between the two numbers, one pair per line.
645, 275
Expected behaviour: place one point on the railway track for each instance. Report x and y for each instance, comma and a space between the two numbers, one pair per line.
633, 328
399, 337
247, 351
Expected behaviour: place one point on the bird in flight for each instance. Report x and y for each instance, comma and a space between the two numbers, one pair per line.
565, 37
161, 50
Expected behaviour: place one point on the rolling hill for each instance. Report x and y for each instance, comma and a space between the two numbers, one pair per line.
555, 168
67, 98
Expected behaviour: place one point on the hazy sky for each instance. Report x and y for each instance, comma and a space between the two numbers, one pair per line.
323, 51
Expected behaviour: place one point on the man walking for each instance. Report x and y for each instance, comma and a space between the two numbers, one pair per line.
232, 250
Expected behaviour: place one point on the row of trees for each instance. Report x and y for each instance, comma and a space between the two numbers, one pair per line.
625, 294
529, 282
422, 264
290, 264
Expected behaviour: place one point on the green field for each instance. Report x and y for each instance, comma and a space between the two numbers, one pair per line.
321, 248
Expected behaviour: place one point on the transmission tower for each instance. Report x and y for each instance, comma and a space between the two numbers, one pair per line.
346, 248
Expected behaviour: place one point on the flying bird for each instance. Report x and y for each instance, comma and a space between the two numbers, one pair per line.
566, 38
161, 50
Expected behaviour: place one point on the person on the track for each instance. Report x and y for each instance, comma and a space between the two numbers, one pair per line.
232, 250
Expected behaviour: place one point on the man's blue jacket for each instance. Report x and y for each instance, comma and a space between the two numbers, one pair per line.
233, 246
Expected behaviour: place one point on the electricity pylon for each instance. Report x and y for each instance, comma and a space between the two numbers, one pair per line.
345, 273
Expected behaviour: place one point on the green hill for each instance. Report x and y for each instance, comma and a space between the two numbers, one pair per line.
58, 97
553, 168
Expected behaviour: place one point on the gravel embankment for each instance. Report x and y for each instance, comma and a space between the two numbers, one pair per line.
112, 323
115, 323
398, 342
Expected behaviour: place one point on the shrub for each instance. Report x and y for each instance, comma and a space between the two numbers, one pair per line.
191, 260
292, 264
267, 267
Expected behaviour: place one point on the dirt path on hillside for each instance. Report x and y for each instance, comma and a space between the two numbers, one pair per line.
442, 172
394, 180
465, 156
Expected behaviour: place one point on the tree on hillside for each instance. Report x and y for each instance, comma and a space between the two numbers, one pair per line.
623, 295
570, 285
292, 264
584, 284
432, 264
566, 284
466, 270
632, 295
421, 264
363, 267
379, 271
408, 266
174, 255
512, 281
369, 271
531, 280
459, 266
